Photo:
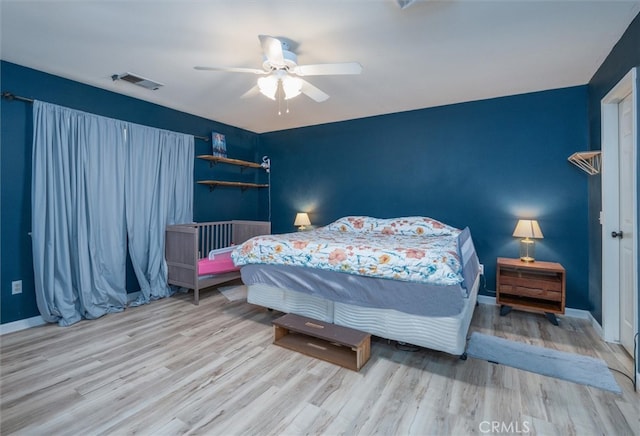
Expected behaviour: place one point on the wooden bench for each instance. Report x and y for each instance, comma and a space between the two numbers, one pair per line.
333, 343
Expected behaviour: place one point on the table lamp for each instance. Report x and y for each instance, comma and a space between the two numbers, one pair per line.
302, 220
527, 229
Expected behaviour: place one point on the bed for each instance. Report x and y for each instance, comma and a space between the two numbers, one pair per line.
413, 279
198, 255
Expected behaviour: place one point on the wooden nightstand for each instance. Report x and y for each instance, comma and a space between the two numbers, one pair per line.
530, 285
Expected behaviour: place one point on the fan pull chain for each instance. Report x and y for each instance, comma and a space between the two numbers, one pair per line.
280, 93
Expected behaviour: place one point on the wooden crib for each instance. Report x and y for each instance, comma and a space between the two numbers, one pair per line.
186, 244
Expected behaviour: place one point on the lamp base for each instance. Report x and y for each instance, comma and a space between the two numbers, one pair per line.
527, 250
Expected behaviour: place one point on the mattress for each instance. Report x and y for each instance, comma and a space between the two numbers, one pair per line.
414, 298
407, 297
413, 249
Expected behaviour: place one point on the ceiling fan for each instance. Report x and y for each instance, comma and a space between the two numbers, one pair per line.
281, 70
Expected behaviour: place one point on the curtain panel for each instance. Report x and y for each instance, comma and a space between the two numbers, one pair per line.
96, 184
155, 198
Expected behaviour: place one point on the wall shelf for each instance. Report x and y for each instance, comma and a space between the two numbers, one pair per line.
213, 183
219, 159
241, 163
588, 161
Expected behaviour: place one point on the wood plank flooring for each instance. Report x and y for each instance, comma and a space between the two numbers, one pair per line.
171, 367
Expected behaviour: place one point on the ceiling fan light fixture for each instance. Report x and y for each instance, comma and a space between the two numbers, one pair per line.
292, 87
289, 62
268, 86
280, 66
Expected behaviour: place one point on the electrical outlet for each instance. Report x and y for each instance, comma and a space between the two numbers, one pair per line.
482, 269
16, 287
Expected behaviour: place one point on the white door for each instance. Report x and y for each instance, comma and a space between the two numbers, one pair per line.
619, 109
626, 159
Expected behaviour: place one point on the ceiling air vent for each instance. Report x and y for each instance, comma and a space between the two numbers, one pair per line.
404, 3
137, 80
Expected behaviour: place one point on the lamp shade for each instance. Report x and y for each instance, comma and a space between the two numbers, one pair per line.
528, 229
302, 219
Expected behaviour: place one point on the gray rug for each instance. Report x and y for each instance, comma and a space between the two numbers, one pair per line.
566, 366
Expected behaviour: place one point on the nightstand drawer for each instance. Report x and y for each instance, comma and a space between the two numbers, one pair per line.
525, 291
532, 284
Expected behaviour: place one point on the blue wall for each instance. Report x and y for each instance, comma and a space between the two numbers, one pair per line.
482, 164
16, 136
624, 56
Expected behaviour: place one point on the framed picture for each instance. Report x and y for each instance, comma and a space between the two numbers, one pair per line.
218, 144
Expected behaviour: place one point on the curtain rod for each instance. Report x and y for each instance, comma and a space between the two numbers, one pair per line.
10, 96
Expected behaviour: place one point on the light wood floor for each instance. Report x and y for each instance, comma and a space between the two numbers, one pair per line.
173, 368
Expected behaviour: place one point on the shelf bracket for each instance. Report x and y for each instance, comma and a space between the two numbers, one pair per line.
588, 161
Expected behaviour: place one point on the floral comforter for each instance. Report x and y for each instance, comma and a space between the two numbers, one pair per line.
416, 249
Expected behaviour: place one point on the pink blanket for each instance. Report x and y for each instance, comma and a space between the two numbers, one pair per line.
222, 263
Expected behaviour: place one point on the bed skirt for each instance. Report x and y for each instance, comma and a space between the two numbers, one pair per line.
444, 333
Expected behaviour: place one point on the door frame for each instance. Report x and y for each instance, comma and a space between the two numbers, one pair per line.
610, 205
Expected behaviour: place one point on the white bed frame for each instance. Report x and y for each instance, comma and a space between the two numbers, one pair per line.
448, 334
185, 244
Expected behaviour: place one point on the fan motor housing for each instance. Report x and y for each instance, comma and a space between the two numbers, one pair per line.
290, 61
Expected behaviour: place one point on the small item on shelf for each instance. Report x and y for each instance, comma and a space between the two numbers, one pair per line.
218, 144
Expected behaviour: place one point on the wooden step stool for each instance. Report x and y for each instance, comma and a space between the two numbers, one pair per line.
333, 343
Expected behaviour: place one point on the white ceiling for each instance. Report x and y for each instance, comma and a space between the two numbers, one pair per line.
429, 54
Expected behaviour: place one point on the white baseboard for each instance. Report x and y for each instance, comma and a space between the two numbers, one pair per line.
485, 299
596, 326
36, 321
579, 313
22, 324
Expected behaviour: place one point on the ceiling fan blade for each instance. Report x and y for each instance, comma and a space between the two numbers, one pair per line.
233, 69
312, 92
272, 49
252, 92
328, 69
